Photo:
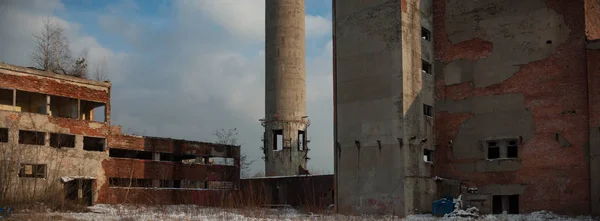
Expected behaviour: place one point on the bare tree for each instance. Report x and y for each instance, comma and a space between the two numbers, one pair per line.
100, 71
52, 51
229, 137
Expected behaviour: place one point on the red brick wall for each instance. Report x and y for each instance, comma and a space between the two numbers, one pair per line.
45, 85
592, 19
550, 86
168, 197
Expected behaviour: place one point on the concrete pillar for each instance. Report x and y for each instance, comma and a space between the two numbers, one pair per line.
285, 92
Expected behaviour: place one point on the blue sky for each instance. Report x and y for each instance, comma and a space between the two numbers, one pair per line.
183, 68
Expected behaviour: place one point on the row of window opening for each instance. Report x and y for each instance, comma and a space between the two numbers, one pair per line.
56, 140
64, 107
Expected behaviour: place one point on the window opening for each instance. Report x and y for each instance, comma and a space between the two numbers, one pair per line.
278, 139
301, 140
425, 34
63, 107
32, 138
31, 102
3, 135
62, 140
94, 144
425, 67
6, 99
33, 170
92, 111
427, 110
428, 155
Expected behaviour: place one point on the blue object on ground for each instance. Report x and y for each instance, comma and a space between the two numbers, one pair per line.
442, 207
5, 212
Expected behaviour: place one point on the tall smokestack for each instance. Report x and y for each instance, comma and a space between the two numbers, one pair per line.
285, 119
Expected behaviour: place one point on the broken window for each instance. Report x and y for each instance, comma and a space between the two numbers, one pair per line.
3, 135
33, 170
511, 149
127, 182
129, 154
6, 99
32, 137
493, 150
427, 110
220, 185
31, 102
505, 203
277, 139
222, 161
425, 34
92, 111
425, 67
427, 155
166, 157
62, 140
301, 140
94, 144
63, 107
503, 148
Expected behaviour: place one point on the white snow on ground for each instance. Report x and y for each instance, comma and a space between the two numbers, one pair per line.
191, 212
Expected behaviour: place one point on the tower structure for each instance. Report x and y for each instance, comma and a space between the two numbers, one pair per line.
285, 122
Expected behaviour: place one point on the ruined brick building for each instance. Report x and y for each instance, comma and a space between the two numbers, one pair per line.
57, 143
497, 100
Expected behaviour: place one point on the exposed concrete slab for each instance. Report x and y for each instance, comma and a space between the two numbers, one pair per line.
526, 30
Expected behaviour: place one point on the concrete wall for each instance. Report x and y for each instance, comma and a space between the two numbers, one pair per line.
380, 91
593, 68
514, 69
285, 94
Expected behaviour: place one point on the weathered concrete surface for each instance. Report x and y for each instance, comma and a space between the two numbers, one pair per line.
593, 68
592, 19
514, 69
381, 129
285, 94
527, 30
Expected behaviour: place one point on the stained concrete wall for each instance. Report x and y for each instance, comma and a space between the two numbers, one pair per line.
514, 69
285, 94
381, 130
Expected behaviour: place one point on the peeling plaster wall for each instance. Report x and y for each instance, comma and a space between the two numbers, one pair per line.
514, 68
60, 162
592, 19
380, 91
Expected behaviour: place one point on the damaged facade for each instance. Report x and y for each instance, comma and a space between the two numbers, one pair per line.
57, 143
498, 98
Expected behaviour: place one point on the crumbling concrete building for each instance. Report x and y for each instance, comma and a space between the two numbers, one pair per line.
285, 137
57, 143
497, 100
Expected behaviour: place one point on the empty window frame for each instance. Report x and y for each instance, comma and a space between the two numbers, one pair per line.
94, 144
427, 155
427, 110
62, 140
6, 99
502, 148
129, 154
64, 107
3, 135
301, 140
222, 161
277, 140
32, 137
33, 170
92, 111
425, 34
425, 67
505, 203
31, 102
220, 185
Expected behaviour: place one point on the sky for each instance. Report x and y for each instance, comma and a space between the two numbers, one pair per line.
183, 68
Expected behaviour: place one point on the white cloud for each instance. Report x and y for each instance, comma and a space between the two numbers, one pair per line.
317, 26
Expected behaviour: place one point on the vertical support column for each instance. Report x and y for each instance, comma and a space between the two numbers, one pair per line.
48, 112
78, 109
14, 100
